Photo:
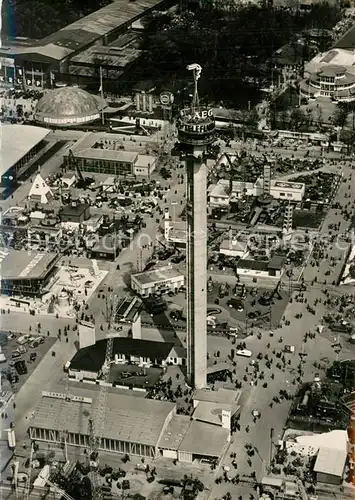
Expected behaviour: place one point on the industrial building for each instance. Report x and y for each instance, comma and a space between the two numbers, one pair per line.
103, 153
87, 362
133, 425
70, 55
19, 144
25, 273
160, 280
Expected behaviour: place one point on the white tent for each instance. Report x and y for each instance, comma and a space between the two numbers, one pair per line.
40, 192
309, 445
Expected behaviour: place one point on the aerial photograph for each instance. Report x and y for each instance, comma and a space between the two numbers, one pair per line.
177, 250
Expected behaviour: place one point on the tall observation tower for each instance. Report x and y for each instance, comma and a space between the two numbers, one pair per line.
196, 128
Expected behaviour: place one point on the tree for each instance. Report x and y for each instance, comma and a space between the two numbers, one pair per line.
227, 41
40, 18
297, 118
340, 116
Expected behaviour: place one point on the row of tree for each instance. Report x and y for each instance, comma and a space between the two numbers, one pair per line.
233, 45
40, 18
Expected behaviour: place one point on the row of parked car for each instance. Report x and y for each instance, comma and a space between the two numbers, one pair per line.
31, 341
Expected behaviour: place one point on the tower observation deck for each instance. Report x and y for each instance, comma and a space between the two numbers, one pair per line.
196, 127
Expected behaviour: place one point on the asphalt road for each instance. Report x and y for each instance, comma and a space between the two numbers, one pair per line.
48, 373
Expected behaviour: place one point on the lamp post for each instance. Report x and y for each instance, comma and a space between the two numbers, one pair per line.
271, 445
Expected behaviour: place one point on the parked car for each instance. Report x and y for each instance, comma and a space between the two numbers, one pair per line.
244, 352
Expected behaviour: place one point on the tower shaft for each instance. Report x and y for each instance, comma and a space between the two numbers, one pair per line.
196, 128
196, 271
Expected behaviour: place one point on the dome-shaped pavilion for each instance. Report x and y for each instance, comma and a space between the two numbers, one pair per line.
67, 106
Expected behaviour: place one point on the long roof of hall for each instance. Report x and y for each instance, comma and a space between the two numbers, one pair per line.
16, 141
128, 418
87, 30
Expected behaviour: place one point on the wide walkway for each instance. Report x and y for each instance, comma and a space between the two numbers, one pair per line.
259, 397
48, 372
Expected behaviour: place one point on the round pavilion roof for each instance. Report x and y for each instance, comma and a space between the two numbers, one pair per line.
67, 106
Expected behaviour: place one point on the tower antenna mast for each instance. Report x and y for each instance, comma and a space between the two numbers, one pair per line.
196, 71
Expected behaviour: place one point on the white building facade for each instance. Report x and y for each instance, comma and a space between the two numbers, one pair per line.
161, 280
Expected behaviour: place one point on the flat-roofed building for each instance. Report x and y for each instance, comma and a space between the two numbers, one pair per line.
187, 440
220, 396
330, 464
144, 165
19, 143
283, 190
162, 279
224, 192
26, 273
103, 153
132, 425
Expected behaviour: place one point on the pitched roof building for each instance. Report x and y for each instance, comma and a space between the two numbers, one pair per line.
40, 192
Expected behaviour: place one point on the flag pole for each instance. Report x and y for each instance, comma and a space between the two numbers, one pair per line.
102, 96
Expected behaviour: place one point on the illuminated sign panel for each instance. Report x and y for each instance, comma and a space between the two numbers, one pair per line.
196, 128
196, 115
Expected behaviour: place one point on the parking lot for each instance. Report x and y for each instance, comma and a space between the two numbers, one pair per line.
133, 376
14, 353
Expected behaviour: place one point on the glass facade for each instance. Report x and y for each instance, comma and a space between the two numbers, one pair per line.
104, 166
